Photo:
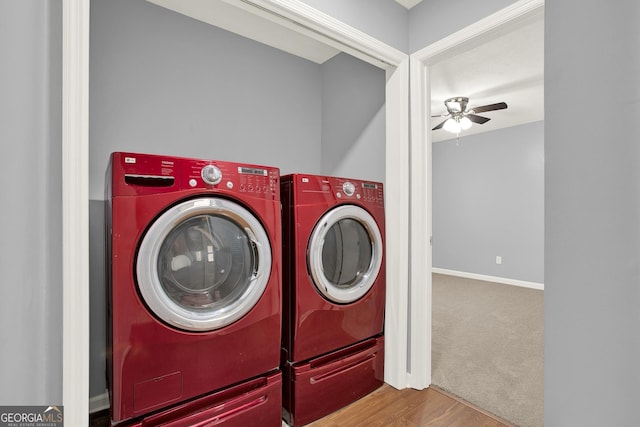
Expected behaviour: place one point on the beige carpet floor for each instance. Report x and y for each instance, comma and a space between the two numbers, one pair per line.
488, 346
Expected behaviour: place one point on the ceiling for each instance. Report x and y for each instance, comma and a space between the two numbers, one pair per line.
508, 67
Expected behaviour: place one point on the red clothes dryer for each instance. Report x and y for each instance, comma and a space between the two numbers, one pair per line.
194, 289
334, 293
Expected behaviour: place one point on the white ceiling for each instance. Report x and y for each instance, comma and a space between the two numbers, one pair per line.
507, 68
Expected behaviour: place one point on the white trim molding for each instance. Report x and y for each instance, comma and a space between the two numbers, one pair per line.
501, 280
420, 137
419, 313
397, 227
304, 19
75, 211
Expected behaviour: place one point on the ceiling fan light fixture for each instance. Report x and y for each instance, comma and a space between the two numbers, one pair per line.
452, 125
465, 123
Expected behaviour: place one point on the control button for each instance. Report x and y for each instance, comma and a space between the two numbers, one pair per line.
193, 182
211, 175
348, 188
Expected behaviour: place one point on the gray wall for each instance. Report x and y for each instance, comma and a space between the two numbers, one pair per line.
592, 213
97, 301
31, 245
353, 119
165, 83
488, 200
385, 20
432, 20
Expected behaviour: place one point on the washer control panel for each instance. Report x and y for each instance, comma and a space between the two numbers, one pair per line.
251, 179
151, 174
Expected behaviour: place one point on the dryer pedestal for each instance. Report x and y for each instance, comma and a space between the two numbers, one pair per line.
320, 386
255, 402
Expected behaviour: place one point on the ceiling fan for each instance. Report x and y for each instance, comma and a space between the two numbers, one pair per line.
460, 118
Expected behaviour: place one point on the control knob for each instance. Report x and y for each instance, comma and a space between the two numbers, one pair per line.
348, 188
211, 174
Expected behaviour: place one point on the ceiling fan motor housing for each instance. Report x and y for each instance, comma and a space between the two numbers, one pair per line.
456, 104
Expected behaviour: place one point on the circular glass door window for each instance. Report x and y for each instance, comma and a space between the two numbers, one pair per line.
203, 264
345, 254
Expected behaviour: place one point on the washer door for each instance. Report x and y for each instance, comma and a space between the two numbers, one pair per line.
345, 254
203, 264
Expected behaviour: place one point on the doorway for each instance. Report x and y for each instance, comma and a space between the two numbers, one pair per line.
422, 68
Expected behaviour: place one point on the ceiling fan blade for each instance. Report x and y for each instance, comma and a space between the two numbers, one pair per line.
477, 119
490, 107
440, 125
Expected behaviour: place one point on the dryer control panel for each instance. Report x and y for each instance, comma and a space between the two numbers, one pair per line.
309, 188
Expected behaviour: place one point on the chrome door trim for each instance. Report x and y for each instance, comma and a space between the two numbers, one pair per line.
314, 254
147, 259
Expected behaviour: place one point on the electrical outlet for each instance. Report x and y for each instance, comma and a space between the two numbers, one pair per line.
498, 259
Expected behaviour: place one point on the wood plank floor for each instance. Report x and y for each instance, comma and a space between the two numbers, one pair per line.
390, 407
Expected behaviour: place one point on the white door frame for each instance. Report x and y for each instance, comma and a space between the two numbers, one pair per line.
421, 170
75, 211
75, 148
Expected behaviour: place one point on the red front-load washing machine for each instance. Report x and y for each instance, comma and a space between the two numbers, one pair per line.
334, 293
194, 291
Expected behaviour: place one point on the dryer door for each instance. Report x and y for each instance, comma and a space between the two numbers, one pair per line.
203, 264
345, 254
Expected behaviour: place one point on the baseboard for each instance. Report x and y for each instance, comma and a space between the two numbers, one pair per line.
503, 280
99, 402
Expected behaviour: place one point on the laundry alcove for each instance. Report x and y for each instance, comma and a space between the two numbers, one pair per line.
348, 48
